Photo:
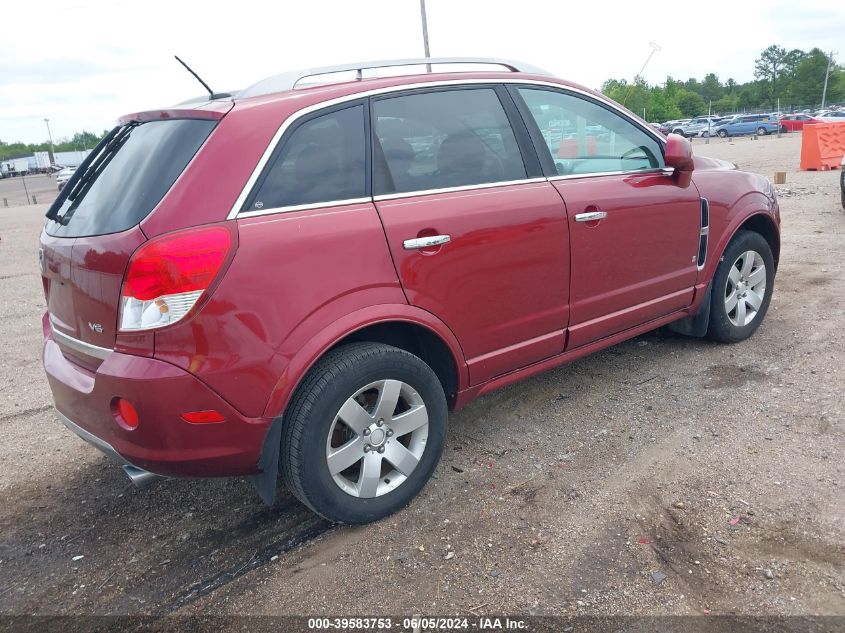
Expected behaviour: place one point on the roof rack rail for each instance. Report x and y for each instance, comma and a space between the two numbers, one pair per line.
289, 80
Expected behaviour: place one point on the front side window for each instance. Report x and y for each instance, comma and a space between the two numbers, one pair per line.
584, 137
448, 138
322, 160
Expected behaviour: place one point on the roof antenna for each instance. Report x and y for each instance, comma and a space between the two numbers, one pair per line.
212, 94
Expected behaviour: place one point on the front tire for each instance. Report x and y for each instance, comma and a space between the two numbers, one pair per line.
742, 288
364, 432
722, 133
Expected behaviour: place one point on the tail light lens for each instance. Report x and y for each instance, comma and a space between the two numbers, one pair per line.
168, 275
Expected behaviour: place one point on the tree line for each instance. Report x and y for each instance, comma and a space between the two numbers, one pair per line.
794, 77
79, 141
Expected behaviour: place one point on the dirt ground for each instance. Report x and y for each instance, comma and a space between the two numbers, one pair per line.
665, 475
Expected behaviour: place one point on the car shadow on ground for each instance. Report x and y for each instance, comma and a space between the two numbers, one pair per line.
90, 542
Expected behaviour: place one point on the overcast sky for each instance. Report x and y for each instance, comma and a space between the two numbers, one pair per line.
82, 63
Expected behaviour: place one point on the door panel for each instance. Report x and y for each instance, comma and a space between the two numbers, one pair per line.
501, 282
638, 262
634, 232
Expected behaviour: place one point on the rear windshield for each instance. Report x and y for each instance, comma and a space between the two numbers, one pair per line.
127, 177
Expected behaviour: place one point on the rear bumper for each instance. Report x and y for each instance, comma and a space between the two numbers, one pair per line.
139, 476
163, 443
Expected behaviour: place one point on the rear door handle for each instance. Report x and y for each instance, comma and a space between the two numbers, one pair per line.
426, 242
592, 216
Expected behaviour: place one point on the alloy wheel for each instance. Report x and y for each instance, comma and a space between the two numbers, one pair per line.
377, 438
745, 288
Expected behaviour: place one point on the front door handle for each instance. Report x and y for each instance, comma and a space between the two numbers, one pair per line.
426, 242
592, 216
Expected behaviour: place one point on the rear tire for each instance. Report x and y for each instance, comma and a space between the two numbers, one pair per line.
742, 288
347, 451
761, 131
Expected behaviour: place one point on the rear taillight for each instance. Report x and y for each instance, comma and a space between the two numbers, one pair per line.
168, 275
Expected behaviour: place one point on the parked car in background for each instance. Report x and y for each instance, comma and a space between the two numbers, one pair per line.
63, 175
833, 117
760, 124
796, 122
668, 126
699, 126
303, 281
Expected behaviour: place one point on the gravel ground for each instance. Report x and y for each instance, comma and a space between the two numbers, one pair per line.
665, 475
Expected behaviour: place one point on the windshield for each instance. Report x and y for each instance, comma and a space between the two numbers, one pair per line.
126, 177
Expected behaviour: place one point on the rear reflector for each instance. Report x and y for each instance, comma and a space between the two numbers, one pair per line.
203, 417
124, 413
167, 276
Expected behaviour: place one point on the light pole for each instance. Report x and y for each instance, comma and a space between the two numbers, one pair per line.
52, 150
425, 33
826, 74
654, 49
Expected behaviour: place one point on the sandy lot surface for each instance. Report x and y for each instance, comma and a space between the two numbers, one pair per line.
19, 191
665, 475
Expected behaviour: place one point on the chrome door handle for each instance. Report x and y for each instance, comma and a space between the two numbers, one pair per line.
426, 242
592, 216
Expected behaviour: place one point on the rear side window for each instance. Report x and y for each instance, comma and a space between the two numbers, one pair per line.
448, 138
323, 160
128, 177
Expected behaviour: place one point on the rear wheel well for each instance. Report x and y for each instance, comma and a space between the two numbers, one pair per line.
763, 225
417, 340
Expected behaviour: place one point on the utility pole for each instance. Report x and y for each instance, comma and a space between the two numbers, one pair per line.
425, 34
826, 75
50, 136
654, 49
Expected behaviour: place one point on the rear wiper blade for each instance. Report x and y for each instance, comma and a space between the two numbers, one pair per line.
87, 173
53, 211
88, 179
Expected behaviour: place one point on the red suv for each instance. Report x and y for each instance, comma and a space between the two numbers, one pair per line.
305, 279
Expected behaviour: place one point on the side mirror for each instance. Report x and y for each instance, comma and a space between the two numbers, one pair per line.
679, 156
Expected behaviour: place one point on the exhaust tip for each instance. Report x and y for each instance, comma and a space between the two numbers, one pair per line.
141, 478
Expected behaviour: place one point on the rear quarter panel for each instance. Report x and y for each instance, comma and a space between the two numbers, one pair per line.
291, 269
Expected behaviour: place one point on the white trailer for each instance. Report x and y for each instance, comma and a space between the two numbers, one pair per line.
42, 161
71, 159
19, 166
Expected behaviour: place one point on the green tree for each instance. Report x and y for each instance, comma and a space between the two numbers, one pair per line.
690, 103
809, 78
768, 67
661, 107
711, 87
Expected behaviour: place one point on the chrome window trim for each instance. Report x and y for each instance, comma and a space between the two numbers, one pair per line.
293, 118
80, 346
483, 185
303, 207
595, 174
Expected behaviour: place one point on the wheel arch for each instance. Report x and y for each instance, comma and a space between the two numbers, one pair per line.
403, 326
763, 224
418, 340
758, 221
